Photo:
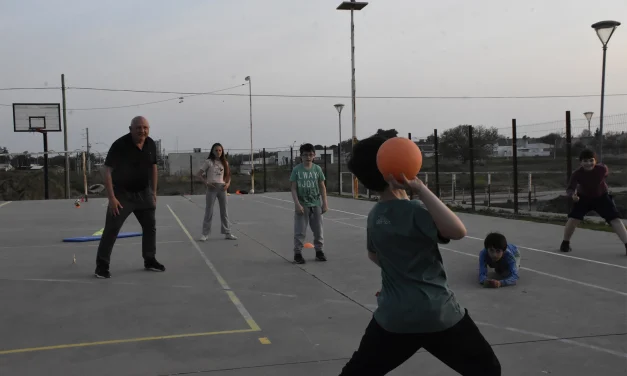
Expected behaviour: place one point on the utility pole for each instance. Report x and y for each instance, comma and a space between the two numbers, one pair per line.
65, 148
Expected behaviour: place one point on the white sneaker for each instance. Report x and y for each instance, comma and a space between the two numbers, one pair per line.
230, 237
203, 238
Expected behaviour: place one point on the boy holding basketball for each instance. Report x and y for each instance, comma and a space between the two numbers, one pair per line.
503, 257
310, 202
416, 308
589, 192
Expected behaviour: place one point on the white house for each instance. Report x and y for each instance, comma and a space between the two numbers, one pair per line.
524, 148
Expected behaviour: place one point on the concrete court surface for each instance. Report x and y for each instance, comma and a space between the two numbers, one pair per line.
240, 308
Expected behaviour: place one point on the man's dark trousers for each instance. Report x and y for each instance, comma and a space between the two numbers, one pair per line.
143, 206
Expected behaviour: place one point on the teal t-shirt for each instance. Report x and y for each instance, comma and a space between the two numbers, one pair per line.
308, 184
415, 297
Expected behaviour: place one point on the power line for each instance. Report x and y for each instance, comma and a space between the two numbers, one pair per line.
30, 88
161, 101
146, 103
321, 96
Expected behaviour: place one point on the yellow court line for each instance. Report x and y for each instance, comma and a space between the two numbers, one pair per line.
238, 304
118, 341
265, 341
6, 203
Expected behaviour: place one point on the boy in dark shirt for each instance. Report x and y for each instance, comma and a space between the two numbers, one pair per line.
589, 192
416, 308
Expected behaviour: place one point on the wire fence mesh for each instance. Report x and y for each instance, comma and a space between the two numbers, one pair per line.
531, 178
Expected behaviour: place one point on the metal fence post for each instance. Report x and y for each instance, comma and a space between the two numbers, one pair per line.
569, 157
515, 161
325, 161
437, 157
191, 176
265, 172
472, 167
339, 168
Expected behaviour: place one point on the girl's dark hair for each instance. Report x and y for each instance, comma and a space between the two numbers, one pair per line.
225, 163
496, 241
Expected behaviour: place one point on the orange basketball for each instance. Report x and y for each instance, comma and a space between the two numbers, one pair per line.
399, 156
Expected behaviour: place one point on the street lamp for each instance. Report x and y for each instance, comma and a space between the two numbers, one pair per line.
339, 108
605, 30
353, 6
252, 156
588, 116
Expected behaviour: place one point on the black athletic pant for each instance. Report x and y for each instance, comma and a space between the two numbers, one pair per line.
142, 205
461, 347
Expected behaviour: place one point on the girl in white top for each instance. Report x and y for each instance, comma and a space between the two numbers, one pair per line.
217, 178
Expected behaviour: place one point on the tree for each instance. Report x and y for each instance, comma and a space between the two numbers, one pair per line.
551, 138
4, 158
319, 147
387, 133
454, 142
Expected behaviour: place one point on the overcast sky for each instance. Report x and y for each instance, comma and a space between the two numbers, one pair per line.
403, 48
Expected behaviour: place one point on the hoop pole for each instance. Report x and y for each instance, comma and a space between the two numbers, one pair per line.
46, 185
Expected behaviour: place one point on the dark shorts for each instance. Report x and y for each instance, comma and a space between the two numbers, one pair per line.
604, 206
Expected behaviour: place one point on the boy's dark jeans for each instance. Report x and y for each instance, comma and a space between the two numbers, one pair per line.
142, 205
461, 347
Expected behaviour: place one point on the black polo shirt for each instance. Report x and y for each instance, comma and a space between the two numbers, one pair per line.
132, 166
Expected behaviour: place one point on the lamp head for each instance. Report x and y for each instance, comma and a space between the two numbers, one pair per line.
605, 29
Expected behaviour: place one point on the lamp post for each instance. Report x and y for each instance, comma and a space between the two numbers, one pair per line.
588, 116
339, 108
252, 156
604, 30
353, 6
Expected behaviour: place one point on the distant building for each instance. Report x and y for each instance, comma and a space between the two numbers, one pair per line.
179, 163
524, 148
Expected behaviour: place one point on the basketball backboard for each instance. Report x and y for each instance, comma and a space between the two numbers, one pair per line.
27, 117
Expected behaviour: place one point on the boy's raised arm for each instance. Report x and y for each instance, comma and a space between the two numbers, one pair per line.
448, 224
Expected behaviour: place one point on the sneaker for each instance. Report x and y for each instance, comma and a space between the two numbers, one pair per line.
320, 256
230, 237
298, 258
154, 265
102, 273
565, 246
203, 238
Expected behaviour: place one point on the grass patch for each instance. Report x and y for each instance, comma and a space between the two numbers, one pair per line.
548, 219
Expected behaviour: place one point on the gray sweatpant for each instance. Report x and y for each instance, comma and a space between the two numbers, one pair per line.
212, 194
311, 218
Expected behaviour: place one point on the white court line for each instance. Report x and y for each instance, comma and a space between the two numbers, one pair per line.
549, 275
231, 294
554, 338
474, 238
80, 245
562, 255
524, 268
5, 203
